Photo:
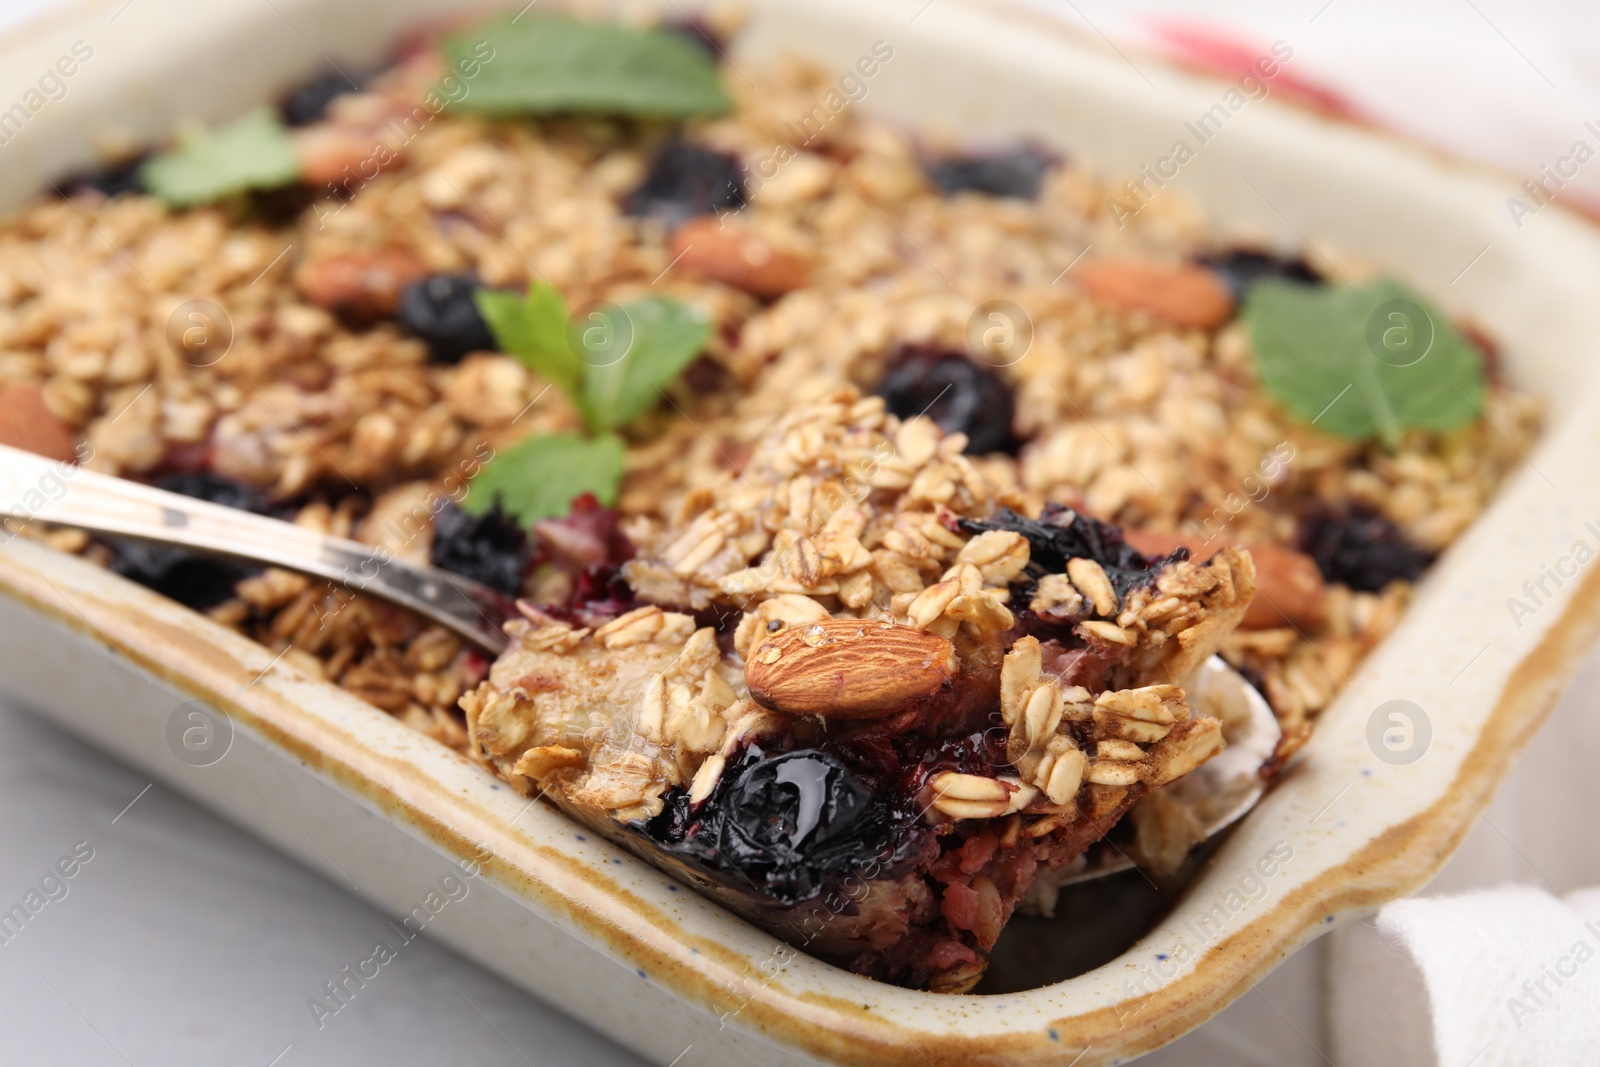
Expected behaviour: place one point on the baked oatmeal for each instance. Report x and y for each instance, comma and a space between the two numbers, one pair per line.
872, 495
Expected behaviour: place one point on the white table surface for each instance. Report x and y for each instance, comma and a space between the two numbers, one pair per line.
187, 941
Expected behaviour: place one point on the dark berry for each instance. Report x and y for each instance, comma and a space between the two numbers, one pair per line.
958, 394
794, 818
214, 488
1015, 173
308, 102
686, 180
599, 594
112, 179
491, 548
1060, 534
705, 375
199, 582
441, 310
1358, 547
788, 824
1241, 268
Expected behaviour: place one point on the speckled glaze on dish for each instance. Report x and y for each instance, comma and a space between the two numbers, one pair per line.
356, 794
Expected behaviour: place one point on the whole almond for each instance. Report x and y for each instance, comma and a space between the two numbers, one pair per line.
1289, 588
849, 669
328, 153
724, 251
348, 155
364, 285
26, 423
1183, 295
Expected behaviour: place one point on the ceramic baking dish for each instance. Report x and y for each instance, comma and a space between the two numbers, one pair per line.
355, 794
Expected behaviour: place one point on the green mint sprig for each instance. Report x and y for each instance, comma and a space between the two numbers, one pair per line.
612, 361
539, 477
546, 64
253, 151
1363, 362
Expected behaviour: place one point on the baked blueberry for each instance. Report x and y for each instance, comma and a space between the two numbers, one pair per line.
960, 395
1241, 268
788, 824
441, 310
1358, 547
686, 180
1015, 173
698, 32
1060, 534
112, 179
491, 548
200, 582
214, 488
796, 818
308, 102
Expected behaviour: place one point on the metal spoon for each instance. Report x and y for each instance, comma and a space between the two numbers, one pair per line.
33, 488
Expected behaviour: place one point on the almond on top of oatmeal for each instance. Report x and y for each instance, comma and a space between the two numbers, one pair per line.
727, 253
849, 669
1184, 295
26, 422
365, 285
696, 392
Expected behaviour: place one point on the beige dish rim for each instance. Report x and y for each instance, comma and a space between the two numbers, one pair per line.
202, 659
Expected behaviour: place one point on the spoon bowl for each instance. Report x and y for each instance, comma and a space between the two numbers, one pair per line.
1222, 790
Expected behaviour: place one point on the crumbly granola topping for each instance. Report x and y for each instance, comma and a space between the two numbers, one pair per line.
839, 501
772, 491
1135, 420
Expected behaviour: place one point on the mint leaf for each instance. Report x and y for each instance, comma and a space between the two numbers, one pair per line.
251, 152
534, 329
539, 477
666, 338
1363, 361
541, 65
611, 361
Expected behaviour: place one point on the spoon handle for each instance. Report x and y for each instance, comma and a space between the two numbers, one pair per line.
35, 489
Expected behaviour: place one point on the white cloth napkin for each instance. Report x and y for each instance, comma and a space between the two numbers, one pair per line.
1495, 977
